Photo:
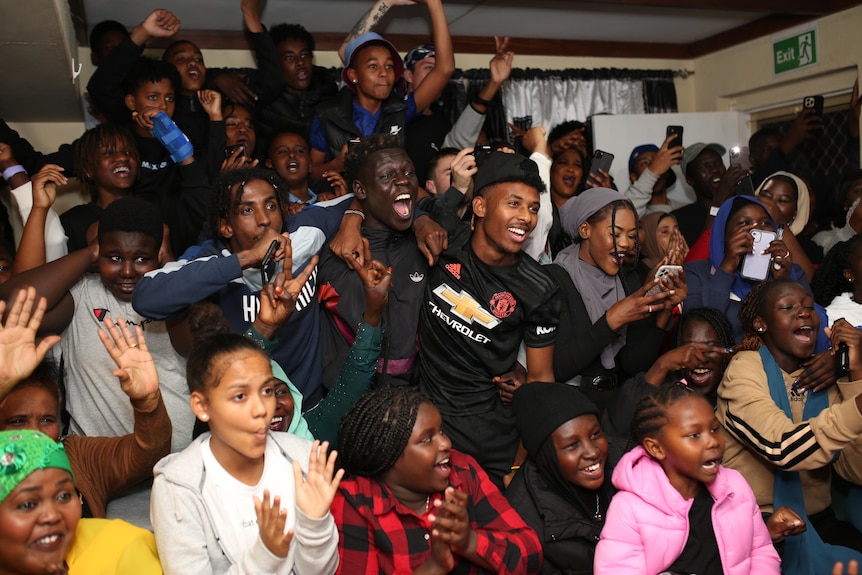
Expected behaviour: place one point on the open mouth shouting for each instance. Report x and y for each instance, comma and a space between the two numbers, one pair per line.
804, 334
403, 205
710, 466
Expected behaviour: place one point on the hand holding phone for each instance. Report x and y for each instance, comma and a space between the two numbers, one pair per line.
813, 103
601, 161
740, 156
674, 131
755, 266
267, 266
661, 273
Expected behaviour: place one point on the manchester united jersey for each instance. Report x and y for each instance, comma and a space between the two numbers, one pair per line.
473, 319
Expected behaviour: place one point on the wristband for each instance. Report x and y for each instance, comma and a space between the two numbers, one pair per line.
355, 213
12, 170
172, 138
477, 99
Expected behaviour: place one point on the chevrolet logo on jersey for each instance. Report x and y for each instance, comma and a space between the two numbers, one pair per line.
465, 307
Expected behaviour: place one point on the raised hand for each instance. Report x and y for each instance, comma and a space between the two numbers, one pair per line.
233, 86
314, 493
161, 24
603, 180
45, 184
278, 299
376, 281
501, 64
211, 102
19, 353
336, 182
270, 524
136, 369
666, 157
463, 169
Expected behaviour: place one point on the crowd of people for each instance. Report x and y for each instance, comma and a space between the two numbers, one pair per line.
310, 326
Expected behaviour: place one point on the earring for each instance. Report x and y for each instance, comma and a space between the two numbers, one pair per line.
354, 80
473, 223
760, 330
204, 417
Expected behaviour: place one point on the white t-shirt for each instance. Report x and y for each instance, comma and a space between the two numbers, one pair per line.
231, 502
96, 403
844, 306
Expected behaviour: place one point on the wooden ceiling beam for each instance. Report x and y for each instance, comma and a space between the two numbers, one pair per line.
234, 40
217, 39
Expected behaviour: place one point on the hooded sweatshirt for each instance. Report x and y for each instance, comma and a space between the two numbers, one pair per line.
647, 525
191, 539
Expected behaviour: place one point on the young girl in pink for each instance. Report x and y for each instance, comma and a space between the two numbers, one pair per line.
677, 509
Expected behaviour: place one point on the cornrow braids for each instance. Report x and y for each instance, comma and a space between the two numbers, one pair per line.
651, 411
829, 281
374, 433
716, 320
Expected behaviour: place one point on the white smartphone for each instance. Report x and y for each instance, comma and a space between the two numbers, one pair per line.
755, 266
661, 273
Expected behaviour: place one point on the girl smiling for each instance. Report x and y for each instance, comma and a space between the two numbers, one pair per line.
780, 436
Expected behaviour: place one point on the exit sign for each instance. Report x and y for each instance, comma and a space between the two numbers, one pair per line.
791, 53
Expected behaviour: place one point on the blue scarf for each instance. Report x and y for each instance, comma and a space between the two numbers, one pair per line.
804, 554
742, 286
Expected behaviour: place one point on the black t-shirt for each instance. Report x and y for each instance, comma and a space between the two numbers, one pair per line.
472, 322
425, 135
76, 221
700, 554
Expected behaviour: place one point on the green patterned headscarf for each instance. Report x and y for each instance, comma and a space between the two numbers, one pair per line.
24, 451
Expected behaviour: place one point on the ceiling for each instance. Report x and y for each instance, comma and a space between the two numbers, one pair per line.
627, 28
37, 45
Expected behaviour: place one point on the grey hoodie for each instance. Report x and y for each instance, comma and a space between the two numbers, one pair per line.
189, 540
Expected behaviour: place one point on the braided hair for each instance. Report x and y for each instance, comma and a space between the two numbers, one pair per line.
716, 320
611, 210
829, 281
374, 433
754, 306
651, 411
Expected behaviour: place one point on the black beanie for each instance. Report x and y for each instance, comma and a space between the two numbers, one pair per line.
540, 408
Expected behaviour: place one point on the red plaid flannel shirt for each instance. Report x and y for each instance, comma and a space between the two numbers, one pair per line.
380, 535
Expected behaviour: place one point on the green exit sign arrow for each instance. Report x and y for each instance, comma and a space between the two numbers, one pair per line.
795, 52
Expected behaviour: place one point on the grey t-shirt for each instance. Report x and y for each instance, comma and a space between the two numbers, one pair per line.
95, 401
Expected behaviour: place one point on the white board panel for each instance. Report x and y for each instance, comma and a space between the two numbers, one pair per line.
619, 135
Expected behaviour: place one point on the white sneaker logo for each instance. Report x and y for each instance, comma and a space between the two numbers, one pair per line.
417, 277
395, 130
